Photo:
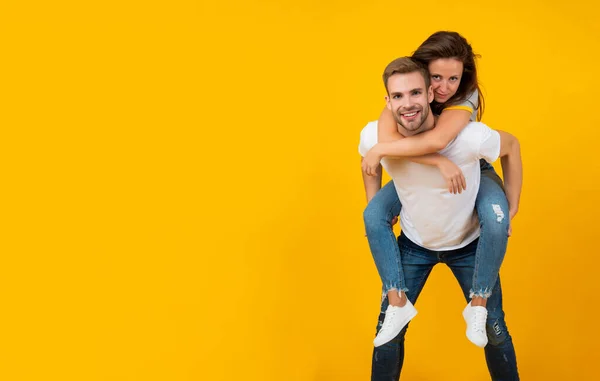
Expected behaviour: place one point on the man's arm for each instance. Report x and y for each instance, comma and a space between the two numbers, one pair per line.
512, 170
372, 183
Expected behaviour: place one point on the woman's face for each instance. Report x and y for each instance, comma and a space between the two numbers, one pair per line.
445, 77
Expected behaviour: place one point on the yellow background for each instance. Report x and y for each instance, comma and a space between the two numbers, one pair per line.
182, 193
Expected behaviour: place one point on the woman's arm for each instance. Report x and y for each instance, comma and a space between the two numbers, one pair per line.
387, 129
388, 132
451, 172
448, 125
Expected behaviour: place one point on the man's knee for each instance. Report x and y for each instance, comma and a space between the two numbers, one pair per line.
496, 332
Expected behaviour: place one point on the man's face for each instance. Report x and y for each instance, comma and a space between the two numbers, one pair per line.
409, 100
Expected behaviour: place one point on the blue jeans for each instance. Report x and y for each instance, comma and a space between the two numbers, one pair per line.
418, 262
492, 208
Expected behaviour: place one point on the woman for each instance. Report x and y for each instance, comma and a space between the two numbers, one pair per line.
457, 101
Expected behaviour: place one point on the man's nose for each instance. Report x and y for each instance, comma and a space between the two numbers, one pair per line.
407, 102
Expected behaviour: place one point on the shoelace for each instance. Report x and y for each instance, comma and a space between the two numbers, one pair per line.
478, 320
389, 317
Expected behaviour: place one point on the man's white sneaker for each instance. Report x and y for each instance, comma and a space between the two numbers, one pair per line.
475, 317
395, 319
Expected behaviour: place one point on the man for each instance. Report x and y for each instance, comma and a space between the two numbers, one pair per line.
429, 208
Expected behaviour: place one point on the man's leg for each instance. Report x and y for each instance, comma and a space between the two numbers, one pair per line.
499, 352
417, 263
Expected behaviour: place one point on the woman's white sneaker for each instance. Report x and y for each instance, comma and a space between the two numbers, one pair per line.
395, 319
475, 317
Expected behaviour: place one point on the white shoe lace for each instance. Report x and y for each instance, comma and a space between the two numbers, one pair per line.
478, 320
389, 318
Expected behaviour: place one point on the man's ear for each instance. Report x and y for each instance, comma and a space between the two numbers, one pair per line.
387, 103
430, 94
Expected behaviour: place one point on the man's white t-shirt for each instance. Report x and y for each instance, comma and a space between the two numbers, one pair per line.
431, 216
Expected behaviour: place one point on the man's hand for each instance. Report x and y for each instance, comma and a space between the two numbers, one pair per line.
370, 162
512, 213
453, 176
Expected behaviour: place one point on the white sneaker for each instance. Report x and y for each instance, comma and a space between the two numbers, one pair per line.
475, 317
395, 319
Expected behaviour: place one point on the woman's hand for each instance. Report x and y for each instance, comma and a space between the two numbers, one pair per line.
512, 213
453, 175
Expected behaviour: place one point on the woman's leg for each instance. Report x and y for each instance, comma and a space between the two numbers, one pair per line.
494, 219
378, 217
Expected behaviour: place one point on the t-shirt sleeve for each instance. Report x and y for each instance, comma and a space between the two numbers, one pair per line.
470, 104
368, 138
489, 147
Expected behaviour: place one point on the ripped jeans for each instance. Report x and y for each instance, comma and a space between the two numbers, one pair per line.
418, 262
492, 210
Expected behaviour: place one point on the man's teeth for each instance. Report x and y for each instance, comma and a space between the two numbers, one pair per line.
411, 114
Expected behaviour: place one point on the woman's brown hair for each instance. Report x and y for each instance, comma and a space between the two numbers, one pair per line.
452, 45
